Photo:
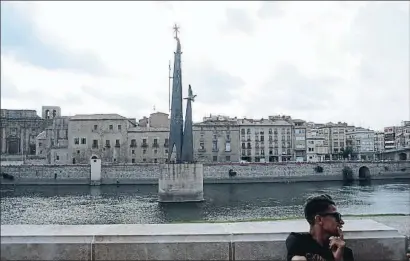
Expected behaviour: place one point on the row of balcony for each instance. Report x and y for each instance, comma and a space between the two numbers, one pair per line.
213, 150
143, 145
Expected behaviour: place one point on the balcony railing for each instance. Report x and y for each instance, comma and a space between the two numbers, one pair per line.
144, 145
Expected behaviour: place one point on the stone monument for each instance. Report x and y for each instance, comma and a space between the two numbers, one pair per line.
181, 179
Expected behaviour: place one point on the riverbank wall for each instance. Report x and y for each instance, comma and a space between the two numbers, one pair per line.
213, 173
369, 240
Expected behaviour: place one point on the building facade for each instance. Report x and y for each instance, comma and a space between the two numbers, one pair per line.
267, 140
300, 140
335, 139
18, 131
317, 145
390, 138
379, 141
362, 143
216, 139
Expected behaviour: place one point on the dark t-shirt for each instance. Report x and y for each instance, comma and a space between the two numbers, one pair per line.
302, 244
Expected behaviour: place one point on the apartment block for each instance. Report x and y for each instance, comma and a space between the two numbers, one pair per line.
390, 138
317, 145
378, 141
216, 139
361, 141
267, 140
300, 140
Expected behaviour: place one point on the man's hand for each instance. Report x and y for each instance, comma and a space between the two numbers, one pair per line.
337, 245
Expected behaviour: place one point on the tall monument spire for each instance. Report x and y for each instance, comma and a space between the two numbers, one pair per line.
177, 120
187, 142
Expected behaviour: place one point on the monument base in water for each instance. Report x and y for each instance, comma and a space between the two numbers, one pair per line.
181, 183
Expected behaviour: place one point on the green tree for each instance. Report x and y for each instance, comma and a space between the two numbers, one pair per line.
346, 152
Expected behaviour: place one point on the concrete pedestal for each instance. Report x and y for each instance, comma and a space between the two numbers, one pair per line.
181, 183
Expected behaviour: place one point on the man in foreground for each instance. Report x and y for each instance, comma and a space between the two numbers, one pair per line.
325, 241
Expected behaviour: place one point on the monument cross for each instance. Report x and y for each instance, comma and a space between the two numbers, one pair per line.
176, 30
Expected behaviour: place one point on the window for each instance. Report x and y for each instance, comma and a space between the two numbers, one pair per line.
155, 160
57, 157
155, 151
95, 127
144, 160
202, 146
115, 160
155, 143
228, 137
76, 141
228, 158
166, 143
166, 151
243, 131
215, 158
215, 146
243, 145
133, 160
262, 138
107, 143
119, 127
83, 141
117, 143
144, 151
78, 152
228, 146
133, 143
111, 127
95, 144
132, 151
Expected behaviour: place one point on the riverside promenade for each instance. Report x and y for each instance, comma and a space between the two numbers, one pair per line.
369, 239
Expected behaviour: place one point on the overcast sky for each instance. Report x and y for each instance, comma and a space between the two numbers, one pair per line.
318, 61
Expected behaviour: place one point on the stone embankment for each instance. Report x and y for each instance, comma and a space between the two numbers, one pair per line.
213, 173
370, 241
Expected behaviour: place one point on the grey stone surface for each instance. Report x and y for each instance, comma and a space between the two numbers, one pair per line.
370, 240
45, 251
181, 183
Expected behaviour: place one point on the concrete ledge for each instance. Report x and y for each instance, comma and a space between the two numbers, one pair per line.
370, 241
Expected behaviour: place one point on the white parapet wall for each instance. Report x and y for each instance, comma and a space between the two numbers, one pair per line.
181, 183
95, 171
370, 241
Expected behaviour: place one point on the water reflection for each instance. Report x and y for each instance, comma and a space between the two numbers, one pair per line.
138, 204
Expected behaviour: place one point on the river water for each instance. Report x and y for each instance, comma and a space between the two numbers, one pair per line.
112, 204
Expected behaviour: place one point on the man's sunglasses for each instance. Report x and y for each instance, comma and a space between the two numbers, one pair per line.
336, 215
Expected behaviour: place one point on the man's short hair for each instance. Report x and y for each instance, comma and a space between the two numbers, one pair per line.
315, 205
